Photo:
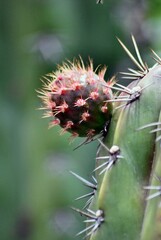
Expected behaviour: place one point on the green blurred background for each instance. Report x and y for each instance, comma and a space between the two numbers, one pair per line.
36, 188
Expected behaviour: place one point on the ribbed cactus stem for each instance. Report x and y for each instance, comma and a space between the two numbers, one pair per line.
151, 228
121, 194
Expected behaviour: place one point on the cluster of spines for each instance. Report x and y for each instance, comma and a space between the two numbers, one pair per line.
157, 189
94, 218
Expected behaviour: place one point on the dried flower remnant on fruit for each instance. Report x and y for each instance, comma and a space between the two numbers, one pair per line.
75, 97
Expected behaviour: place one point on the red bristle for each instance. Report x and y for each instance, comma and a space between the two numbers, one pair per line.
94, 95
54, 122
85, 116
80, 102
62, 108
68, 125
104, 108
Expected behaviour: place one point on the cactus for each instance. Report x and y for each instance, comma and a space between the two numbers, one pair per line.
125, 201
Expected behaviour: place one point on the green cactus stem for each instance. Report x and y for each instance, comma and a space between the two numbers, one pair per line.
128, 163
121, 194
151, 228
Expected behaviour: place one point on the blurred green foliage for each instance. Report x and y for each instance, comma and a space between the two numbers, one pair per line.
36, 188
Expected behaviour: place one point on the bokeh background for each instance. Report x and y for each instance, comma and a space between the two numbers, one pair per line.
36, 188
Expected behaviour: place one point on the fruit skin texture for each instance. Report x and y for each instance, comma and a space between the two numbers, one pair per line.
76, 97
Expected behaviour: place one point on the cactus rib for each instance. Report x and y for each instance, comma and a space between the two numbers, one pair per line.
151, 228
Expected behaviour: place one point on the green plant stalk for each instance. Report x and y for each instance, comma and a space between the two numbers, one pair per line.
120, 191
151, 228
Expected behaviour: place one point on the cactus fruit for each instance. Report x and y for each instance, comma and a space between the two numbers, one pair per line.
126, 200
75, 96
